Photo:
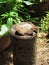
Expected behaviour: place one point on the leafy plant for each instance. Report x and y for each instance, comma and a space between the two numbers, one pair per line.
21, 7
45, 23
7, 20
15, 11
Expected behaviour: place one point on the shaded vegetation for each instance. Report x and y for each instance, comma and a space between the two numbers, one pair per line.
15, 11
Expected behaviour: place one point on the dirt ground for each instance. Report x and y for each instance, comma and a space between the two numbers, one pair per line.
42, 57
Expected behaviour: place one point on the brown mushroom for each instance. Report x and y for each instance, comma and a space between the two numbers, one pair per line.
24, 28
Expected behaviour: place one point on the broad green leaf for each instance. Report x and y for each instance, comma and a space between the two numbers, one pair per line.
9, 23
28, 3
4, 30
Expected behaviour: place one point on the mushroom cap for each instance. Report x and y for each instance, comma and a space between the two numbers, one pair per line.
24, 28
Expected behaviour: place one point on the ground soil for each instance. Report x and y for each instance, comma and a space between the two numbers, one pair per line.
42, 57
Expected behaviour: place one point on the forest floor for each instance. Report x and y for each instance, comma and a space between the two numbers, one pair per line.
42, 57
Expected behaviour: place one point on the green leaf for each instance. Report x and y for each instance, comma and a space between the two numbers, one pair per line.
28, 3
9, 23
19, 0
5, 15
3, 1
13, 14
36, 18
4, 30
15, 21
41, 0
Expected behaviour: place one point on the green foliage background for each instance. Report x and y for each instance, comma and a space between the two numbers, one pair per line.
45, 23
15, 11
